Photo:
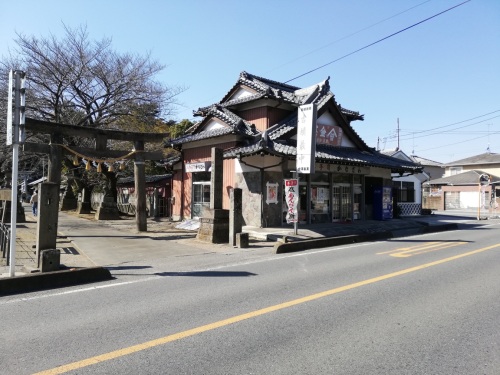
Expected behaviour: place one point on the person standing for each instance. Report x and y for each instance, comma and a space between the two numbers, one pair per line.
34, 203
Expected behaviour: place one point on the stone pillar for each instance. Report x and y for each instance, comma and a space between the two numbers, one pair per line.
48, 209
140, 188
214, 227
156, 203
68, 201
216, 179
235, 215
83, 206
107, 209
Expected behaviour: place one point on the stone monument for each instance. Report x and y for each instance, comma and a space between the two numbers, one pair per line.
214, 225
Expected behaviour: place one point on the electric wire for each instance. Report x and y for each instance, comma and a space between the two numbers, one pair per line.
347, 36
378, 41
404, 138
455, 123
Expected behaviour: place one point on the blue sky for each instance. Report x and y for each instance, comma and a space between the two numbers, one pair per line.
441, 78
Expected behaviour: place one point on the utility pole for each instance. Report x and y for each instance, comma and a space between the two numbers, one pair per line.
15, 136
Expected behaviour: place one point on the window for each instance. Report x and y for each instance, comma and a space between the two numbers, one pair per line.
405, 191
455, 170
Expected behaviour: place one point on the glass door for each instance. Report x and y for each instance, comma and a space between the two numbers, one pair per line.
336, 203
342, 202
346, 209
201, 198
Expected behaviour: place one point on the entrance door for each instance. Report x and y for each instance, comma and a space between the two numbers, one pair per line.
342, 202
201, 198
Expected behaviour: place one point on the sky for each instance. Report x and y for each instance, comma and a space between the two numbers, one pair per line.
394, 61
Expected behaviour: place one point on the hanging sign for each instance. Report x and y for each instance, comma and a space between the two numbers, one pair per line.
292, 200
197, 167
306, 138
272, 192
344, 169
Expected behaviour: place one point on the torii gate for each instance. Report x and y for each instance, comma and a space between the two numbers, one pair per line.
55, 150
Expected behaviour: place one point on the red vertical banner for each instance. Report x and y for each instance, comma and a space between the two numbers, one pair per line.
292, 200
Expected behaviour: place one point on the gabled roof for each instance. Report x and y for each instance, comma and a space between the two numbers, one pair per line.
235, 125
414, 158
465, 178
265, 88
486, 158
399, 154
278, 138
426, 162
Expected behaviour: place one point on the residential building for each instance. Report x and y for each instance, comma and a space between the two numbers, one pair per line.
407, 188
472, 182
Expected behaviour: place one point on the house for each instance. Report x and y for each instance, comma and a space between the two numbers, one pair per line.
472, 182
255, 124
407, 188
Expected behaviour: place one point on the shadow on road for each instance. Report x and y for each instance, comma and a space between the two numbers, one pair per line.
208, 274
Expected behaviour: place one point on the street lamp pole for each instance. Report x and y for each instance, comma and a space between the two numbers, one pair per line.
484, 180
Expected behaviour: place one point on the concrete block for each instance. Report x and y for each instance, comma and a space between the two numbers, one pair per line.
51, 280
50, 260
242, 241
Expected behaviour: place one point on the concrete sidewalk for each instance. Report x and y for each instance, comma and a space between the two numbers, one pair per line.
85, 243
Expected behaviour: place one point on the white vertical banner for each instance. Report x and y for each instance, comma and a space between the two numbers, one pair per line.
10, 131
306, 138
292, 200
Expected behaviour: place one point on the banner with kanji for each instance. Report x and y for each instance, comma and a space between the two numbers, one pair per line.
292, 200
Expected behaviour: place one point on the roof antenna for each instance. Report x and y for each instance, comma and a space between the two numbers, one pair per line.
488, 148
413, 141
397, 148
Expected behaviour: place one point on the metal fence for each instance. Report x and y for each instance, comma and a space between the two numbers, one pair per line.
5, 241
127, 204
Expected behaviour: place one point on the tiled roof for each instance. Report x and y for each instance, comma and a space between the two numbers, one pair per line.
318, 93
277, 139
416, 159
425, 162
464, 178
149, 179
486, 158
340, 155
237, 125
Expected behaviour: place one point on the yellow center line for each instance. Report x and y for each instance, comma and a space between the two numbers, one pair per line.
410, 248
252, 314
426, 249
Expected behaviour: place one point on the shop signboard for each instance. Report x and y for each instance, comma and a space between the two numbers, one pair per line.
329, 135
197, 167
342, 169
292, 200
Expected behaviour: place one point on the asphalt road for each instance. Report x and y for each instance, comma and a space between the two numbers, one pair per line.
417, 305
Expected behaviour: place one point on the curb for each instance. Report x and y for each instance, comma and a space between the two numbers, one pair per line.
50, 280
290, 247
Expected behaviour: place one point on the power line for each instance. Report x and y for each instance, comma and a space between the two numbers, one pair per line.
348, 36
460, 127
457, 143
456, 123
378, 41
327, 45
411, 134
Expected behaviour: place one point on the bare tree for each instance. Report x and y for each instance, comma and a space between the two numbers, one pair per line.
82, 82
78, 81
